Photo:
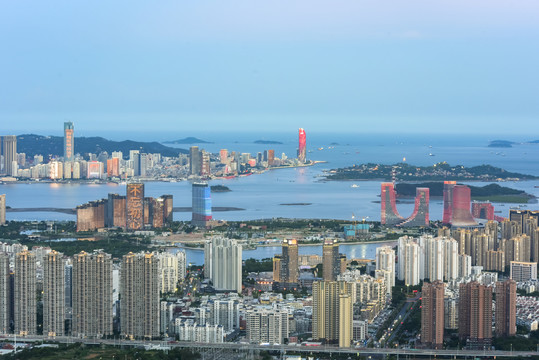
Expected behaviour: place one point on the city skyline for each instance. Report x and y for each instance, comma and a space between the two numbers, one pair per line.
355, 65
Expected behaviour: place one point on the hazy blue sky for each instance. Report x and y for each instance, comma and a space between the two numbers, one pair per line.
356, 65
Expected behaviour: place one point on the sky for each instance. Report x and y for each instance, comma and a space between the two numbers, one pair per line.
185, 67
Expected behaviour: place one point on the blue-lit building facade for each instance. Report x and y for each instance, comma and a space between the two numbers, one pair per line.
201, 205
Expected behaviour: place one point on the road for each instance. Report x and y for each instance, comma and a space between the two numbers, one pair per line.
284, 348
403, 314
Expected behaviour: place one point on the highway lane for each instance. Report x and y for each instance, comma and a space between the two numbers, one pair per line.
278, 348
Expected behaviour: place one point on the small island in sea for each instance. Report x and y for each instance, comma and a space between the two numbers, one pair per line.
188, 140
219, 188
267, 142
491, 192
501, 144
437, 172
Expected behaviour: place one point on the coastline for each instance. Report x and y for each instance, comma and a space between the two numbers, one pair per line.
143, 180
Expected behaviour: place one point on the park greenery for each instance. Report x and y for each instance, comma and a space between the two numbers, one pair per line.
437, 172
82, 351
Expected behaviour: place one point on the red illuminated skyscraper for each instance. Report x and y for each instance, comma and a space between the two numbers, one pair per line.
448, 201
389, 214
302, 149
457, 203
461, 206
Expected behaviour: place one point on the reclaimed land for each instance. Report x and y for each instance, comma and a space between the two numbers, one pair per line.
437, 172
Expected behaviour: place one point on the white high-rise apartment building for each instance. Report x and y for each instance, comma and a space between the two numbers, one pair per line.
434, 259
385, 260
53, 294
171, 270
465, 265
226, 313
267, 326
225, 264
412, 269
451, 259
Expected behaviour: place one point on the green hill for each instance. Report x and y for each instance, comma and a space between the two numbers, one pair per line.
32, 144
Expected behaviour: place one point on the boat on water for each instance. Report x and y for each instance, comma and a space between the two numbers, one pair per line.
355, 185
431, 154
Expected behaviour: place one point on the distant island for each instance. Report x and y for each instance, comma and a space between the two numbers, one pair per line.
32, 144
438, 172
508, 144
501, 143
219, 188
187, 140
267, 142
491, 192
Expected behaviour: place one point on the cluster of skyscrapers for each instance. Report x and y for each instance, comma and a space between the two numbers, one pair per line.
459, 295
458, 207
88, 295
475, 313
132, 212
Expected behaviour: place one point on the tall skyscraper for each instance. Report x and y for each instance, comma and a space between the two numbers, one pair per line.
332, 311
53, 294
289, 261
201, 205
5, 294
461, 207
135, 206
205, 170
69, 141
475, 313
25, 293
448, 202
92, 294
226, 264
2, 209
302, 148
10, 154
271, 157
385, 260
134, 158
432, 314
506, 308
139, 289
195, 161
389, 213
331, 266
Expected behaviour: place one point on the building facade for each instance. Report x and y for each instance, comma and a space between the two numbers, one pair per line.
140, 302
54, 294
432, 314
506, 308
92, 295
25, 294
